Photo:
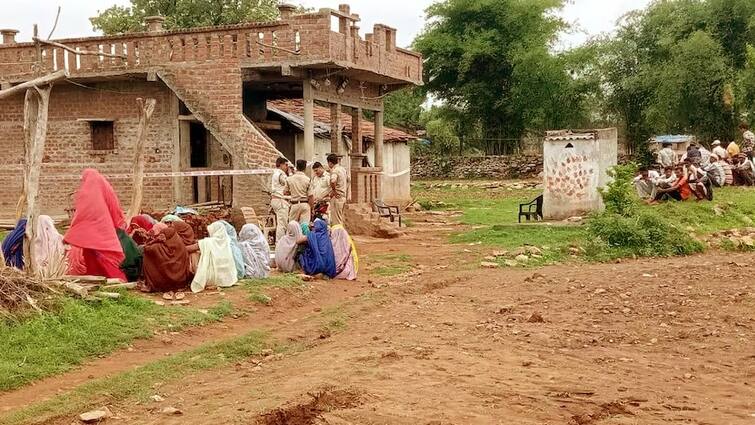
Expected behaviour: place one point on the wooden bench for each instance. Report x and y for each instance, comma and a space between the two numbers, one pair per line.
532, 210
391, 212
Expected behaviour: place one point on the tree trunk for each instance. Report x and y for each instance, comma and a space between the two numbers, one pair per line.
33, 168
146, 109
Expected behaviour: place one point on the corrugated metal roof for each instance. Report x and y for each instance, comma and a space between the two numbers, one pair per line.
566, 135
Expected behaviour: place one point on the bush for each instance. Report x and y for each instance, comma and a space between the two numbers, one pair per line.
618, 196
644, 234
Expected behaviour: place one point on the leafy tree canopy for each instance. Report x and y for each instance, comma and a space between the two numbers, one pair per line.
184, 14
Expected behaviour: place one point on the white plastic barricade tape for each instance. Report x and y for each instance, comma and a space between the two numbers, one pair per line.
208, 173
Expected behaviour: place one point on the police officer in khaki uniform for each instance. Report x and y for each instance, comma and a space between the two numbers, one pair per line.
299, 189
279, 199
338, 186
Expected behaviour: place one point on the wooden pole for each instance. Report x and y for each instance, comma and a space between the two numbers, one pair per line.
39, 125
31, 107
41, 81
146, 109
78, 52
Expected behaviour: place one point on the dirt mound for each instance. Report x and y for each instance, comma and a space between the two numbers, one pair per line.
309, 412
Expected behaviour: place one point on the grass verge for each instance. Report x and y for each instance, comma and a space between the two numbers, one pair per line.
256, 287
138, 383
389, 265
51, 343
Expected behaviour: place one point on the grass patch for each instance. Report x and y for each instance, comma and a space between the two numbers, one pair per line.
256, 287
51, 343
334, 320
138, 383
492, 216
388, 265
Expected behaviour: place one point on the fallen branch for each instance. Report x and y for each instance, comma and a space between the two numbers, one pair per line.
41, 81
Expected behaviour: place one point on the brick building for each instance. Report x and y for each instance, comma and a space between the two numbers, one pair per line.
212, 87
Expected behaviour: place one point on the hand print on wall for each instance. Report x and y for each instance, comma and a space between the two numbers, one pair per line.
571, 176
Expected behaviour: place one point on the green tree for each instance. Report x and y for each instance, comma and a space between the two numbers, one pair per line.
493, 60
184, 14
403, 108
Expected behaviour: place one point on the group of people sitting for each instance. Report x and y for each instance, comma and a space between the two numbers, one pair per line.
165, 256
697, 172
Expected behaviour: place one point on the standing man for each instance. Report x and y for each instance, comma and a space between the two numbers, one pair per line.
719, 151
666, 156
299, 188
748, 140
279, 198
320, 188
338, 187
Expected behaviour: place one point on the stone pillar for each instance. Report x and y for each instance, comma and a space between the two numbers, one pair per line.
335, 131
309, 123
286, 11
9, 36
154, 23
379, 137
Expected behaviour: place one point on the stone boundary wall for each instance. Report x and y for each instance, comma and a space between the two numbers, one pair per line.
482, 167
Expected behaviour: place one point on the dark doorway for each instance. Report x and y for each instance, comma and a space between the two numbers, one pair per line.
199, 146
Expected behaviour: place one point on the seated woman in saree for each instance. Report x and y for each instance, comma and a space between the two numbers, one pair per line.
287, 248
166, 262
318, 256
216, 264
256, 252
238, 258
13, 246
139, 228
347, 260
95, 247
186, 233
49, 252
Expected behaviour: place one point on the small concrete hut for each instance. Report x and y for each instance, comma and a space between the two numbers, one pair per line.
576, 165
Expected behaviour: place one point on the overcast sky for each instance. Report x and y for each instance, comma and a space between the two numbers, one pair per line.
592, 16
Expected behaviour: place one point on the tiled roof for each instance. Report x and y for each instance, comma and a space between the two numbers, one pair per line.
295, 108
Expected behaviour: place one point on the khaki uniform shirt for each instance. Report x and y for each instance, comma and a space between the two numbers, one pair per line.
298, 186
340, 178
279, 186
320, 187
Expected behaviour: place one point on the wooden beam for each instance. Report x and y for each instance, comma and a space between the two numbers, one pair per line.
146, 109
41, 81
39, 134
269, 125
78, 52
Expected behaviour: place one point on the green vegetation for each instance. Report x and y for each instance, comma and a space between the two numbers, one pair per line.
52, 343
139, 383
256, 287
389, 265
643, 230
184, 14
334, 320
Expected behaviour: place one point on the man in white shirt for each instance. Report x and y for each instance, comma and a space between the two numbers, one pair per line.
644, 183
667, 157
279, 197
719, 151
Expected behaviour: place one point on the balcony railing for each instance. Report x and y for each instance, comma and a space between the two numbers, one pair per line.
301, 39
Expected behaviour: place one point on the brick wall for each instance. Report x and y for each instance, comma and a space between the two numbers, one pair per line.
68, 149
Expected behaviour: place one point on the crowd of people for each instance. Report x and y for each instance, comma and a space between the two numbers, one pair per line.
165, 256
698, 172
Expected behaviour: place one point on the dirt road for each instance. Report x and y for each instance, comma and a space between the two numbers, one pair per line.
639, 342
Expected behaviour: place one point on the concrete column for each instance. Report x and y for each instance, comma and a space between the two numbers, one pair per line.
379, 137
335, 131
356, 130
309, 123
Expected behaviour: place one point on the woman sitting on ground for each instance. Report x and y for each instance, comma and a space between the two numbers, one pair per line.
95, 246
49, 252
238, 259
186, 233
216, 264
318, 256
256, 252
13, 246
166, 261
286, 249
347, 260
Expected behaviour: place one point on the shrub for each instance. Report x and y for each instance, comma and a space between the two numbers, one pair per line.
644, 234
618, 195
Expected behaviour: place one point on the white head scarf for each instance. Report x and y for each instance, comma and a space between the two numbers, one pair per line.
255, 250
216, 264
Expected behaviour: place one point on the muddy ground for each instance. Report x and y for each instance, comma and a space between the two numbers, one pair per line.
636, 342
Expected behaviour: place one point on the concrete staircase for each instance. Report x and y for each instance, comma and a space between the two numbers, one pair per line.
361, 220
